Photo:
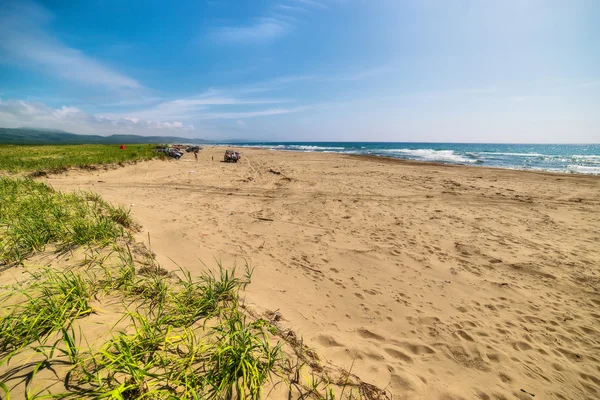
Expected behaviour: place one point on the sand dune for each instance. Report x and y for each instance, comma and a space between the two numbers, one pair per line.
432, 281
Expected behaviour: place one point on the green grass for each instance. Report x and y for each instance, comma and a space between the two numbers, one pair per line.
32, 215
186, 336
57, 158
178, 336
51, 303
240, 361
163, 354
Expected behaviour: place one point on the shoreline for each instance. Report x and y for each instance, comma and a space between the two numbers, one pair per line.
407, 161
387, 159
434, 162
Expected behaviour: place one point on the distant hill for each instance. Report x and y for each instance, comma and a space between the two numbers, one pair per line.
46, 136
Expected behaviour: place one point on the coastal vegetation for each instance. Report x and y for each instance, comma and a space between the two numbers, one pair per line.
39, 160
86, 312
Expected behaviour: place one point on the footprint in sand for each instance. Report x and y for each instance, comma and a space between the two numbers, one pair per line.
403, 382
505, 378
521, 346
418, 349
367, 334
465, 336
328, 341
399, 355
591, 378
470, 324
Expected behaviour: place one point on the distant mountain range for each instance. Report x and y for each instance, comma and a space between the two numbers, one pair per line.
47, 136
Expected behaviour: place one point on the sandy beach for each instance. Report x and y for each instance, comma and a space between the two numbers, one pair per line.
430, 281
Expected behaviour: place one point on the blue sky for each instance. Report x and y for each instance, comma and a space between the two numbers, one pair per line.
305, 70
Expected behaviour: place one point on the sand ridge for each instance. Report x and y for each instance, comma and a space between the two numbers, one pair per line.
432, 281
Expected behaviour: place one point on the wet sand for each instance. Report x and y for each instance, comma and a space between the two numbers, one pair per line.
432, 281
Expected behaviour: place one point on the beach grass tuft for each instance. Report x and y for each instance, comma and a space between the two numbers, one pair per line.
50, 303
33, 215
41, 160
176, 336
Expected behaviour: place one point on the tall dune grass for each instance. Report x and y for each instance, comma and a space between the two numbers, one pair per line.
163, 354
32, 215
52, 302
179, 337
57, 158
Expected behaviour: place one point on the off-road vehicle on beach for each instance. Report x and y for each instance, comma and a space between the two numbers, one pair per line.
193, 149
231, 156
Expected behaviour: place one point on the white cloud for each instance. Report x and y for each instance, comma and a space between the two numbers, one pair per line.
18, 113
263, 30
197, 107
65, 112
362, 74
27, 41
274, 84
287, 7
274, 24
217, 100
284, 82
251, 114
310, 3
169, 117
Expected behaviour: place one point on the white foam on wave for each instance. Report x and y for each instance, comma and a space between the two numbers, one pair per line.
429, 155
582, 169
587, 159
250, 146
566, 163
513, 154
313, 148
292, 147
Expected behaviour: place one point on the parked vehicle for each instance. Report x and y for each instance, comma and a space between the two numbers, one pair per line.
170, 151
231, 156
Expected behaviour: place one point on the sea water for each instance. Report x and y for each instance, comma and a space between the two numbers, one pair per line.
569, 158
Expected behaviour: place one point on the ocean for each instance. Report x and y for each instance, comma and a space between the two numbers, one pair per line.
568, 158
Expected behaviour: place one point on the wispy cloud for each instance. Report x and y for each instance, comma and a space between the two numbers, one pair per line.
199, 106
273, 84
166, 117
310, 3
361, 74
27, 40
287, 7
284, 82
17, 113
261, 31
275, 23
251, 114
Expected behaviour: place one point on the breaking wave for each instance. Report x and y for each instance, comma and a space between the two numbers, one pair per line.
584, 159
429, 155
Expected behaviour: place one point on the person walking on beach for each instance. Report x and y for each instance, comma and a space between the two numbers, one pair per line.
196, 154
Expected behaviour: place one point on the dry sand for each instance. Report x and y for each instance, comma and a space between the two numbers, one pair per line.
433, 281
